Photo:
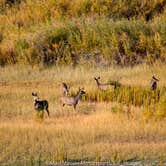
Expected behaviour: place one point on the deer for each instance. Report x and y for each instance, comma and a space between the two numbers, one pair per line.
40, 105
106, 86
103, 87
65, 89
72, 100
153, 83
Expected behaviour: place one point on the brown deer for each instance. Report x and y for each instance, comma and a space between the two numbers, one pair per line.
72, 100
110, 85
101, 86
153, 83
40, 105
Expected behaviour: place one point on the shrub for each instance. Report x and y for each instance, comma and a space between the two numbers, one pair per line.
138, 96
97, 32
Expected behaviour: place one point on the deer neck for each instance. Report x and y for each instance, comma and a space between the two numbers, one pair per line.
98, 83
78, 96
35, 101
153, 81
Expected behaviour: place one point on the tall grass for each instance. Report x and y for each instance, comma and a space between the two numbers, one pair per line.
102, 134
137, 96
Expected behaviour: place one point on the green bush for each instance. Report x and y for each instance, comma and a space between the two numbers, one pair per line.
138, 96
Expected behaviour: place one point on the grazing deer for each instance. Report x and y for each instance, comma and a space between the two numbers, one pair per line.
153, 83
40, 105
72, 100
65, 89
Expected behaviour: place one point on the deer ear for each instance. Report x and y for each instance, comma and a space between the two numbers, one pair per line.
34, 94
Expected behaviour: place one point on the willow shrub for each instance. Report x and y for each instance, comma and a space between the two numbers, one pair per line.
103, 41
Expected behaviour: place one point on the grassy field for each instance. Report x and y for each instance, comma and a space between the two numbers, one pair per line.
97, 131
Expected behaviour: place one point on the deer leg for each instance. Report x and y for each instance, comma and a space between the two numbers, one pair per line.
75, 107
48, 112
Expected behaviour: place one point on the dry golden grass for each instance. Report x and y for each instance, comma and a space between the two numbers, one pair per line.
95, 132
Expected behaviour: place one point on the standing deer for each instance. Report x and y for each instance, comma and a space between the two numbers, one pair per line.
72, 100
40, 105
65, 89
153, 83
106, 86
102, 86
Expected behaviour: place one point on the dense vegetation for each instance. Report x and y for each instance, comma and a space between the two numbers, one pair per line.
124, 32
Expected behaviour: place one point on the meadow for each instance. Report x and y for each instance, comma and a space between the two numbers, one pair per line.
97, 131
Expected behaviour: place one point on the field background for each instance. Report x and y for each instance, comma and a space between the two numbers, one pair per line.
46, 42
97, 131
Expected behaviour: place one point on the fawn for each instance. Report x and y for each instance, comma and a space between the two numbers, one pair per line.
40, 105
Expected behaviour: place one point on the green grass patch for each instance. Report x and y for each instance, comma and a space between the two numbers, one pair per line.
138, 96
